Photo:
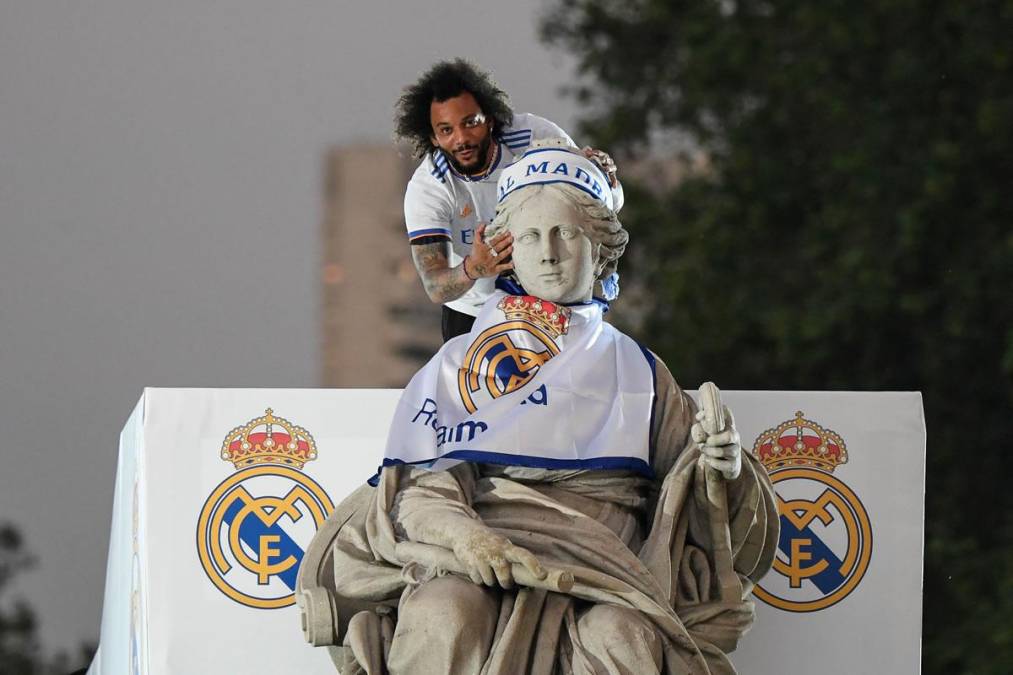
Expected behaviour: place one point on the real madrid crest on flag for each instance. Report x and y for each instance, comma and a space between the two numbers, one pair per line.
504, 357
255, 526
826, 537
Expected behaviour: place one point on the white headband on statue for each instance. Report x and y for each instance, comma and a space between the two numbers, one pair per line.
541, 166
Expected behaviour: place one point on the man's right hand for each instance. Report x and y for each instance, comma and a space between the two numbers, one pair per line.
488, 259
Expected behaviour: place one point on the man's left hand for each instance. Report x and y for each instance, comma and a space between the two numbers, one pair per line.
603, 160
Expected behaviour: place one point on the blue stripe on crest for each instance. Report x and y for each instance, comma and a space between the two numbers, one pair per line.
252, 529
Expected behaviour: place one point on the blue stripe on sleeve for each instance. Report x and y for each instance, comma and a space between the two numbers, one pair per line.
428, 232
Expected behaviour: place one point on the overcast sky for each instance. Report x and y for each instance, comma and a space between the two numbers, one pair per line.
159, 219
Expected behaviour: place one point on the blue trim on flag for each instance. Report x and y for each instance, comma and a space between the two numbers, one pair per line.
374, 480
509, 284
634, 464
653, 363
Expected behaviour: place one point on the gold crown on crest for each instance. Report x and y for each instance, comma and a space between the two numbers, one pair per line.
550, 317
269, 440
800, 442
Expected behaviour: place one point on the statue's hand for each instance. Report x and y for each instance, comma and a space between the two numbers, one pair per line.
488, 557
722, 450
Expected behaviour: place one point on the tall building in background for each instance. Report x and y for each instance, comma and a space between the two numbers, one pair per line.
379, 326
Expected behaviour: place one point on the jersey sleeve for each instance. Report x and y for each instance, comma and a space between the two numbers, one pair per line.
427, 211
542, 128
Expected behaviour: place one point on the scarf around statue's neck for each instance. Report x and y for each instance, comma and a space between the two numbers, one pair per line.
533, 384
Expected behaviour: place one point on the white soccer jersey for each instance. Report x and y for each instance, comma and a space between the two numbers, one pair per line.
443, 204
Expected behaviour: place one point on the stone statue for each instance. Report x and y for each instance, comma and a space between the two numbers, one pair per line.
550, 501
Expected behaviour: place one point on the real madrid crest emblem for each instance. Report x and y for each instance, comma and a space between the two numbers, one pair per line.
504, 357
826, 537
254, 527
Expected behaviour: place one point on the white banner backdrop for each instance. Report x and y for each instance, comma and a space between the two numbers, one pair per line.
206, 538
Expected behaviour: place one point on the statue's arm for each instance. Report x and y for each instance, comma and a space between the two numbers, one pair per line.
434, 508
673, 418
750, 500
426, 501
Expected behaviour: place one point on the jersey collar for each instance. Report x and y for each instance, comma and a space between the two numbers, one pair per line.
485, 174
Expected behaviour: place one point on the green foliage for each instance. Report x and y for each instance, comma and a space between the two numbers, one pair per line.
851, 230
20, 653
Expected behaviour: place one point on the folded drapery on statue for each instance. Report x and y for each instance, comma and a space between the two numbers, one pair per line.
629, 543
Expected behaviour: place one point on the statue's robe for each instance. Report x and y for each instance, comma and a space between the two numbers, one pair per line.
678, 558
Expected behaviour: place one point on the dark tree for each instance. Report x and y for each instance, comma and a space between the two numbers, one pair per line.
19, 649
850, 209
20, 653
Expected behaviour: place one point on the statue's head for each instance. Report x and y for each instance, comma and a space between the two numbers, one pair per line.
558, 206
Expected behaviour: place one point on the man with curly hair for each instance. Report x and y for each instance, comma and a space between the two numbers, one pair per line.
460, 124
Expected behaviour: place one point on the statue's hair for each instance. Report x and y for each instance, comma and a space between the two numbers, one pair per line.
598, 222
445, 80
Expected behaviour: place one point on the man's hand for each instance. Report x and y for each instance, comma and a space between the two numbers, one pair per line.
488, 557
444, 283
604, 161
487, 259
722, 450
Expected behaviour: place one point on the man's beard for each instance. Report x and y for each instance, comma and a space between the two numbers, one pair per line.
480, 161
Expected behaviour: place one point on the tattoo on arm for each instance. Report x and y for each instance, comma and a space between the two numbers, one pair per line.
442, 282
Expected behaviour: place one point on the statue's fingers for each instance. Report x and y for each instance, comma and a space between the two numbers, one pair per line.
709, 451
720, 451
504, 576
729, 468
525, 557
722, 465
488, 576
697, 432
727, 437
476, 576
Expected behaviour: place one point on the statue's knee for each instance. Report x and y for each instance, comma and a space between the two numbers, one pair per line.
445, 625
604, 618
621, 636
459, 604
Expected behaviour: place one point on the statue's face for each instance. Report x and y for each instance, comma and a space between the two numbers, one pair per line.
552, 256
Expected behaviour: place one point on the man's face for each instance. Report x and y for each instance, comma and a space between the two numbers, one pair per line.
462, 132
553, 258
